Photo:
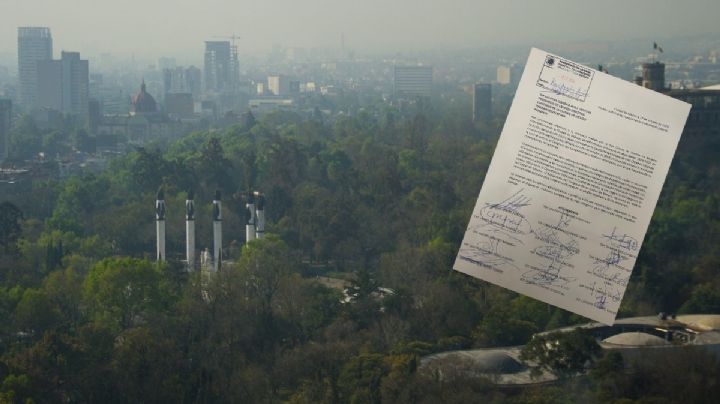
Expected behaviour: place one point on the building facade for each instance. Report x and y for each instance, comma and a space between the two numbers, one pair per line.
5, 124
63, 85
413, 81
144, 123
482, 102
278, 85
653, 76
180, 105
34, 45
182, 80
193, 81
704, 117
221, 67
504, 75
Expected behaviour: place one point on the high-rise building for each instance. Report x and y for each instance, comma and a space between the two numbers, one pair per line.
76, 83
482, 102
509, 74
174, 80
278, 85
5, 116
193, 79
94, 114
182, 80
96, 85
221, 67
504, 75
168, 80
413, 81
49, 84
34, 45
63, 85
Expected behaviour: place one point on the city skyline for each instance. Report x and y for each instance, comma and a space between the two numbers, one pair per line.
180, 28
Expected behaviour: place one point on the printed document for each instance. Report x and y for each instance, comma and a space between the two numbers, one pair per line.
572, 186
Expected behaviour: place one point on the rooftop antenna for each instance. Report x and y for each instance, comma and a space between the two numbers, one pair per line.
658, 50
217, 231
160, 224
190, 230
232, 38
250, 229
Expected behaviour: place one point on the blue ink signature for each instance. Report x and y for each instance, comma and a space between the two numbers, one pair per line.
505, 218
600, 301
615, 278
547, 275
505, 223
613, 258
602, 267
513, 203
555, 250
564, 89
555, 247
621, 241
604, 292
618, 250
488, 253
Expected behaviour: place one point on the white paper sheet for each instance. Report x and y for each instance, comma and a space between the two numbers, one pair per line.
572, 186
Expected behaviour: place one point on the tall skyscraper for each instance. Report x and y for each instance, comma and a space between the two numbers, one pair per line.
482, 102
221, 67
63, 85
49, 84
413, 81
34, 45
5, 116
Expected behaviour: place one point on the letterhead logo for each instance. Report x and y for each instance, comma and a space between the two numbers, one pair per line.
549, 61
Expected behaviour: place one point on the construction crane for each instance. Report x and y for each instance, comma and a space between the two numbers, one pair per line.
232, 37
233, 48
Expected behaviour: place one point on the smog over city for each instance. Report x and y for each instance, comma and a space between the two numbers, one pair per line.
179, 27
320, 201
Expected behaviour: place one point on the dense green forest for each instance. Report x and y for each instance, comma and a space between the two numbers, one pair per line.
378, 199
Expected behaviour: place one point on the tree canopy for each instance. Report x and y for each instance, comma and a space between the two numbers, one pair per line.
352, 285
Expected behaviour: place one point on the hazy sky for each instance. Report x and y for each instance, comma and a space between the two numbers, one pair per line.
179, 27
